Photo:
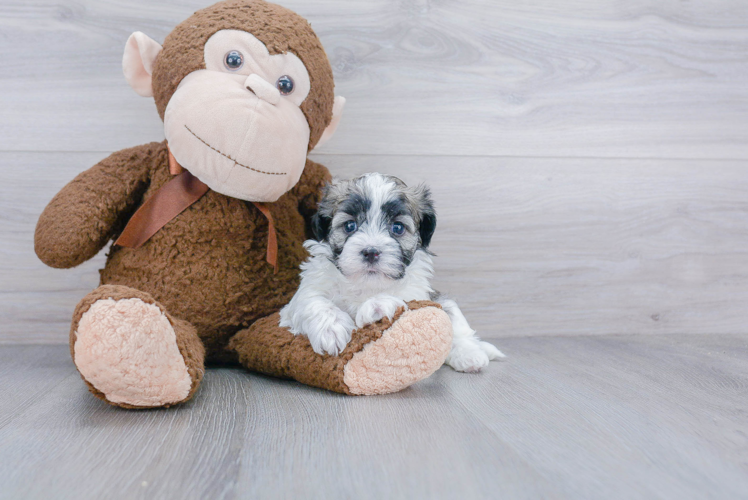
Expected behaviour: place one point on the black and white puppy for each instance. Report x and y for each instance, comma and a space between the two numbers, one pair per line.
370, 257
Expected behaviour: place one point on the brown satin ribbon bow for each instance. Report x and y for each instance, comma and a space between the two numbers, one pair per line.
172, 199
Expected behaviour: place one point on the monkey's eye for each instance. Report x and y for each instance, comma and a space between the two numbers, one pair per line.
233, 60
350, 226
285, 84
398, 228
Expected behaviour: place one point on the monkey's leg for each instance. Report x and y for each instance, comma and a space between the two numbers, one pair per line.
383, 357
131, 352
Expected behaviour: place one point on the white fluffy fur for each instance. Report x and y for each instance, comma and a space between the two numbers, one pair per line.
333, 300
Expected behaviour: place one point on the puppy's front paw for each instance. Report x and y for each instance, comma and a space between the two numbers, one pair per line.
331, 331
468, 356
376, 308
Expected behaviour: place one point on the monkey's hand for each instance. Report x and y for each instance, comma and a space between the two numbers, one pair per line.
83, 216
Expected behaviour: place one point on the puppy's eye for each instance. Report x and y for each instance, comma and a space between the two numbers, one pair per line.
398, 228
285, 84
233, 60
350, 226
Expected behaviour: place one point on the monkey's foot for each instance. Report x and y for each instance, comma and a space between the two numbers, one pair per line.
414, 347
384, 357
133, 354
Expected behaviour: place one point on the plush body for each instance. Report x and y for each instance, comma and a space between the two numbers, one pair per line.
207, 283
206, 266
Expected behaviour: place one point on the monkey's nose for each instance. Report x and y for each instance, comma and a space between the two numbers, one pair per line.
371, 255
262, 89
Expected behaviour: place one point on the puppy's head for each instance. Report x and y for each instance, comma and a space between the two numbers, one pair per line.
374, 225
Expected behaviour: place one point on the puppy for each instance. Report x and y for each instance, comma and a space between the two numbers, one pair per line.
370, 257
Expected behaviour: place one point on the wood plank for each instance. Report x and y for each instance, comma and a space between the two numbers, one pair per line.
35, 372
40, 300
643, 78
568, 247
243, 433
526, 246
577, 417
621, 416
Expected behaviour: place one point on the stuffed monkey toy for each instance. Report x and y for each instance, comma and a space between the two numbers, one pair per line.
208, 225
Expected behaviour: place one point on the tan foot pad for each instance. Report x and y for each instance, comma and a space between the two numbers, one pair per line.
413, 348
127, 349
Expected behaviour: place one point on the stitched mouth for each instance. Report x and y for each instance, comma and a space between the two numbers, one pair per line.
230, 158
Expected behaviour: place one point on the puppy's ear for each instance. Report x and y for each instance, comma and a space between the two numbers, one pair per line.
427, 228
320, 226
427, 214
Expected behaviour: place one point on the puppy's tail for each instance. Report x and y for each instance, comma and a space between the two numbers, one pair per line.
491, 351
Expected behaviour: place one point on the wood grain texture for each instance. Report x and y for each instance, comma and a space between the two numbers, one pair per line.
527, 246
588, 162
580, 417
635, 78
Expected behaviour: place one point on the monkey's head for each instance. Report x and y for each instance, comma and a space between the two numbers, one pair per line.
245, 91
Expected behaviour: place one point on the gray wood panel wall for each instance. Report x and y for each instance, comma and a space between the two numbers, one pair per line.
589, 159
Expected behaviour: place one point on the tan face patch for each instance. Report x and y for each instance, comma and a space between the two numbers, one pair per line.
279, 29
231, 127
250, 56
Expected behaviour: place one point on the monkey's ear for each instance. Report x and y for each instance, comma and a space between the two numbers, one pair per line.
337, 112
137, 63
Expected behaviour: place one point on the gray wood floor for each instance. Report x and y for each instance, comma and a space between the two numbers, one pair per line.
621, 416
589, 162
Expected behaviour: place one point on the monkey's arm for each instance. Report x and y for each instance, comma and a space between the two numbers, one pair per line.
309, 190
87, 212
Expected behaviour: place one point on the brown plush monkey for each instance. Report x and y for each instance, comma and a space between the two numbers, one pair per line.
209, 229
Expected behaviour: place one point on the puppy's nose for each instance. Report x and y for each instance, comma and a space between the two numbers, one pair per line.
371, 255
